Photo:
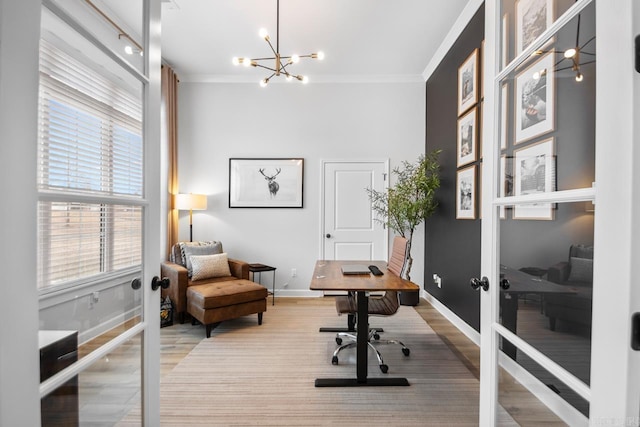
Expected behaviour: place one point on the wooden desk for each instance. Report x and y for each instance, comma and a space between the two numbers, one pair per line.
327, 276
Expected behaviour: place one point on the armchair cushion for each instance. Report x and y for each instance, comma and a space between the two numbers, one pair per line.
205, 249
209, 266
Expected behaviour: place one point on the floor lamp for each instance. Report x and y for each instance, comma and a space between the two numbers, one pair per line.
191, 202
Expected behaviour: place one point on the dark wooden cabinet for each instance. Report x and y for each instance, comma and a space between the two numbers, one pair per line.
59, 349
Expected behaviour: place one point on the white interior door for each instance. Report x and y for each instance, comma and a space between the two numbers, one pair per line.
548, 137
349, 228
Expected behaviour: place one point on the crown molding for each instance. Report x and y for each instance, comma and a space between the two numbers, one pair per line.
320, 78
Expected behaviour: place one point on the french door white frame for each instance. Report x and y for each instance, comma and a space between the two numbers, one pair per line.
614, 393
20, 387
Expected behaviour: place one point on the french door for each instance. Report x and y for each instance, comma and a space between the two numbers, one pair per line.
91, 197
559, 76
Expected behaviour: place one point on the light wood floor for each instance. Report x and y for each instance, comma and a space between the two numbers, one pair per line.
179, 340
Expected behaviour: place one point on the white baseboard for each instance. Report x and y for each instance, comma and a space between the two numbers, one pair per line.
463, 326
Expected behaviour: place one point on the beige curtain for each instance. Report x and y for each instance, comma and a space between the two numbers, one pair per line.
170, 135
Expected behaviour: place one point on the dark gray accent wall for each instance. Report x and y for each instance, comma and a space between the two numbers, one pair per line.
452, 246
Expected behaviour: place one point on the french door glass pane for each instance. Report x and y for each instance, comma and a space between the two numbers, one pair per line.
547, 115
523, 21
548, 303
516, 393
115, 23
109, 391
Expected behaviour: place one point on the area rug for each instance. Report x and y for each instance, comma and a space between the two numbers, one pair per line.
250, 375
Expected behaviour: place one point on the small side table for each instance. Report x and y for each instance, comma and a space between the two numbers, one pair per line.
261, 268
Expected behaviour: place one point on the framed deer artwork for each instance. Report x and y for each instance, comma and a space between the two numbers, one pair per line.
266, 183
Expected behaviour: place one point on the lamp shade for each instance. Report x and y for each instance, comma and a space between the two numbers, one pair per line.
191, 202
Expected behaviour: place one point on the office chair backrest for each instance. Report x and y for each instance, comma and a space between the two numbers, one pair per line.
397, 261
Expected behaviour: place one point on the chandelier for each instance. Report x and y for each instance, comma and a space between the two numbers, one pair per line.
572, 55
280, 62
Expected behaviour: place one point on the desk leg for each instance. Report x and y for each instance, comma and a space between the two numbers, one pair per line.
509, 308
362, 355
362, 350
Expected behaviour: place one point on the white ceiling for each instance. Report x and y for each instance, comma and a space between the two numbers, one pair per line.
363, 40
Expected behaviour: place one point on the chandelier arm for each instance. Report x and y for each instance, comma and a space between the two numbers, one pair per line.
266, 68
578, 31
588, 41
275, 52
264, 59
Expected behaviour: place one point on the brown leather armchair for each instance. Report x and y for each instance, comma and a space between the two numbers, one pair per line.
176, 271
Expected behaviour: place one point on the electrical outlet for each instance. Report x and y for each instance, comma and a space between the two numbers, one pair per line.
437, 280
294, 272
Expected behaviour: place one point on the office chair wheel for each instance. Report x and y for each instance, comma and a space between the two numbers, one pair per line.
338, 340
334, 360
376, 336
406, 351
384, 368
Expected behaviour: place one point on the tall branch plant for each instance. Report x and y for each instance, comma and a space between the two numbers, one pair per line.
411, 199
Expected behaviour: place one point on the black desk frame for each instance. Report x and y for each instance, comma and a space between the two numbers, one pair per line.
362, 351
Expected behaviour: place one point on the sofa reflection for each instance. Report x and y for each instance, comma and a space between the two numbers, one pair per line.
576, 274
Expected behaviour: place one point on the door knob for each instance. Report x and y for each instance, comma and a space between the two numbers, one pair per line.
136, 284
156, 282
477, 283
328, 236
504, 284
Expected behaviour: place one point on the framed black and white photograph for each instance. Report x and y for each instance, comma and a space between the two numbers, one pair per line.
467, 134
534, 172
533, 17
466, 193
468, 83
266, 183
535, 100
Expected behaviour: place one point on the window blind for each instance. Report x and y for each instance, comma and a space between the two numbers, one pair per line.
90, 158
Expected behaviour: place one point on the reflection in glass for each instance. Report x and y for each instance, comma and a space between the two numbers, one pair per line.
109, 391
513, 393
523, 21
549, 267
116, 24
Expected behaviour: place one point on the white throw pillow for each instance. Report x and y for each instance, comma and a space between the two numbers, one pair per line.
209, 266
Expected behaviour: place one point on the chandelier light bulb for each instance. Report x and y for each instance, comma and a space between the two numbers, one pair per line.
570, 53
279, 64
579, 77
536, 75
128, 50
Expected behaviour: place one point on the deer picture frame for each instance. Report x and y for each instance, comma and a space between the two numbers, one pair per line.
266, 182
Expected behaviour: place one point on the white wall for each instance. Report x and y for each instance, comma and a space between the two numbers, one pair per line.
317, 121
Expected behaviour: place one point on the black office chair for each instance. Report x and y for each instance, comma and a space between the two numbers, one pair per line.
387, 305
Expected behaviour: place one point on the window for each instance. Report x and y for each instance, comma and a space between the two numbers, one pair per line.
89, 171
